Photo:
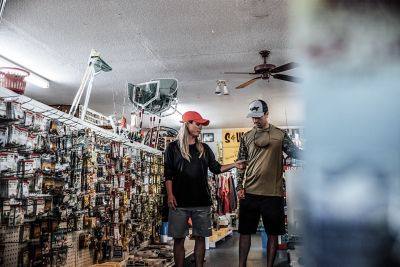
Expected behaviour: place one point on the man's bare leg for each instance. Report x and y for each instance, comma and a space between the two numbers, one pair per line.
272, 247
244, 248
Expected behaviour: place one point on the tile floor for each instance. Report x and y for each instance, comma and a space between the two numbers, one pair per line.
226, 254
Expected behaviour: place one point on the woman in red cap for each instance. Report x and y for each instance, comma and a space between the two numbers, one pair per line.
187, 161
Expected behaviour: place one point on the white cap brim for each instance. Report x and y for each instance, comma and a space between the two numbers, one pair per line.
255, 114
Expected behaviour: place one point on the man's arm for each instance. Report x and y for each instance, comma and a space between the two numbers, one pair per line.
290, 148
243, 156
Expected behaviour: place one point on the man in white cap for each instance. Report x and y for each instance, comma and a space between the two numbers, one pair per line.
260, 187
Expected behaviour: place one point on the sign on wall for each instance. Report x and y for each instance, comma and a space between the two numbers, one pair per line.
230, 143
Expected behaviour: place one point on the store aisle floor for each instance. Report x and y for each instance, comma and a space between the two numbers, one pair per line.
227, 254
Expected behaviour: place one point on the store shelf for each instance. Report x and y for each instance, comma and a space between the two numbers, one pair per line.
53, 113
112, 164
295, 257
189, 250
218, 236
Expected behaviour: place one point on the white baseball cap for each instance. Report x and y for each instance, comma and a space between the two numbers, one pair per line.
257, 108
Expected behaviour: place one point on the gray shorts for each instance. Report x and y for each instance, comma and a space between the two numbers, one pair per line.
178, 226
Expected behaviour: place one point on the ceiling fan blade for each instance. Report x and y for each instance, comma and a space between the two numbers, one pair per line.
286, 78
233, 72
285, 67
243, 85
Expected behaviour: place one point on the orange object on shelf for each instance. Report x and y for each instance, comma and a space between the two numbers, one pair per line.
283, 246
13, 79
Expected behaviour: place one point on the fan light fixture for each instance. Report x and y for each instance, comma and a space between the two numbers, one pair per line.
221, 88
218, 90
266, 70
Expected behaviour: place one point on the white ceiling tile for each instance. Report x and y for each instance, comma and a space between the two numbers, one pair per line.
191, 40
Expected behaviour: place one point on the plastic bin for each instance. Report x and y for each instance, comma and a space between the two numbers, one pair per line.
264, 238
164, 228
164, 232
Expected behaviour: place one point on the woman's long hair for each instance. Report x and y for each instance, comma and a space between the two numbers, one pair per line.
183, 137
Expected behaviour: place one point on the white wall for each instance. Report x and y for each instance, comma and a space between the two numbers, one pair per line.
218, 135
217, 138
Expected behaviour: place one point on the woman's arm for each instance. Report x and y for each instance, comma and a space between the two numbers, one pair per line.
240, 164
171, 198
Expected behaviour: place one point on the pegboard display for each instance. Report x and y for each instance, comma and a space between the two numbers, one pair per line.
10, 239
72, 251
75, 256
71, 196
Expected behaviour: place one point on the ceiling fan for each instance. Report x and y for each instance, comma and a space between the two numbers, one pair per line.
268, 70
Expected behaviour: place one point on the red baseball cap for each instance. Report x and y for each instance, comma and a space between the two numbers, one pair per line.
194, 116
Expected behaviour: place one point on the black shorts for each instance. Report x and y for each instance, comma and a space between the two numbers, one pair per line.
271, 208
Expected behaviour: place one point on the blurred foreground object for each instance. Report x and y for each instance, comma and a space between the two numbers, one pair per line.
351, 85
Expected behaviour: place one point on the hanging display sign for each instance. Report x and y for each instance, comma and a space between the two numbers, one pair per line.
230, 143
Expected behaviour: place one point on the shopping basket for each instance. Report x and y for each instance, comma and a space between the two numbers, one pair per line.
13, 79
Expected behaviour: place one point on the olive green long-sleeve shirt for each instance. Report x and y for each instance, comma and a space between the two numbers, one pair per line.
263, 174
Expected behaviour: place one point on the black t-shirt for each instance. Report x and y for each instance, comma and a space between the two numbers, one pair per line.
189, 179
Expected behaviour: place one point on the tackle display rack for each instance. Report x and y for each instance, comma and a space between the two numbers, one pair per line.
72, 193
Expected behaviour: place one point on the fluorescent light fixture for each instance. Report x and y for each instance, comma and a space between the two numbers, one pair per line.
32, 78
37, 80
